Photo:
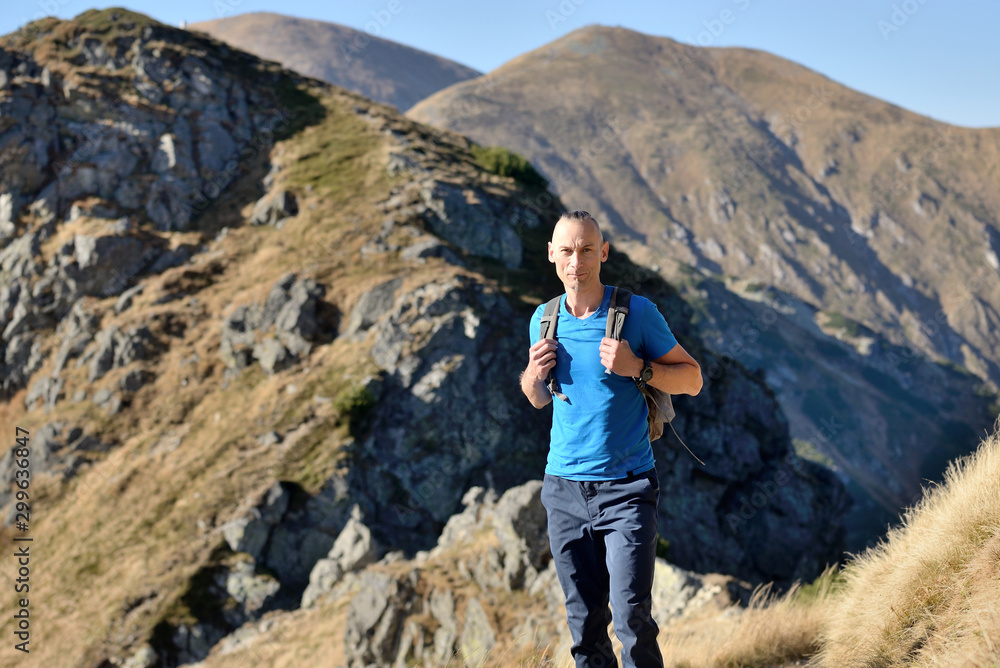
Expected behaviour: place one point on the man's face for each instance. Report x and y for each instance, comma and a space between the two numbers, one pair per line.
577, 251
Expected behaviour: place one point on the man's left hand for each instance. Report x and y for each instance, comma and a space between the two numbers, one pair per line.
619, 358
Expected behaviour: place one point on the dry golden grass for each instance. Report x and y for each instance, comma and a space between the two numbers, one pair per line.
771, 631
927, 595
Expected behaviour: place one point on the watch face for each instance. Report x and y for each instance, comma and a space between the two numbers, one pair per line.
647, 373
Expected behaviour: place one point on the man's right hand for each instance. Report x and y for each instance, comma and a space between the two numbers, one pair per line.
541, 359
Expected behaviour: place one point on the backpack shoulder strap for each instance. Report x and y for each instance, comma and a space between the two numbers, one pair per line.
550, 316
547, 330
617, 311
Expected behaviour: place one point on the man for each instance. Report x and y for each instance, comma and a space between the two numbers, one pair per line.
600, 489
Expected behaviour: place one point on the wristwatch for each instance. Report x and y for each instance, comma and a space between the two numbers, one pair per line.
646, 374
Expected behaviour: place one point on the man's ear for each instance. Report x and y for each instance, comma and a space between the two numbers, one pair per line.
552, 257
605, 249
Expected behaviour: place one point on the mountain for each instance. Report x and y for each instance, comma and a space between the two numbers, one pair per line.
256, 328
377, 68
844, 247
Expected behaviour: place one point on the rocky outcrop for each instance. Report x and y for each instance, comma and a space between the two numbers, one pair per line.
161, 166
447, 356
429, 210
273, 208
391, 623
141, 167
353, 550
293, 309
229, 594
56, 449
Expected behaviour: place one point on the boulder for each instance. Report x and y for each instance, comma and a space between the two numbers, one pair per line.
372, 305
374, 620
8, 209
478, 636
105, 265
273, 208
250, 532
521, 526
21, 357
353, 549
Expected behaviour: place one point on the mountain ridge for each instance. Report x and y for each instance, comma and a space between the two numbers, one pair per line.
380, 69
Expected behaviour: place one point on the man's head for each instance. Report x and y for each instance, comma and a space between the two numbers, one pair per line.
577, 249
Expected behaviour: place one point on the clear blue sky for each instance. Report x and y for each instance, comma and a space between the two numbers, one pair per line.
937, 58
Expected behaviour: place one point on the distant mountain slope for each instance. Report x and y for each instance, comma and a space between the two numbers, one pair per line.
843, 246
377, 68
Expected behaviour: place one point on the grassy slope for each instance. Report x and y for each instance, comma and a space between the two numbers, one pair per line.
129, 530
118, 543
926, 596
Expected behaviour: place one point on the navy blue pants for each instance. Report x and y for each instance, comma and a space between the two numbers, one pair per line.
603, 540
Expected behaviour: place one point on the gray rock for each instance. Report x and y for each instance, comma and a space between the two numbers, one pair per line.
274, 207
104, 359
431, 248
237, 341
108, 400
298, 313
77, 330
294, 550
168, 259
125, 299
272, 355
17, 257
20, 321
144, 657
276, 300
478, 636
372, 305
22, 356
105, 265
46, 389
215, 146
291, 308
521, 526
134, 379
475, 226
374, 620
441, 604
10, 295
353, 549
250, 532
250, 590
193, 642
169, 203
324, 576
7, 216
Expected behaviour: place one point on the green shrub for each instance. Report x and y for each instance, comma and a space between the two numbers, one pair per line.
504, 162
662, 547
353, 404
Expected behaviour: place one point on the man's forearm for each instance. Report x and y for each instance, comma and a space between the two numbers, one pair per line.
680, 378
536, 391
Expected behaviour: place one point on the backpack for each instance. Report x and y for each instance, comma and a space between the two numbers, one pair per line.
661, 408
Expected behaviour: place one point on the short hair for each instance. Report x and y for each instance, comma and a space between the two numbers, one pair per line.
580, 216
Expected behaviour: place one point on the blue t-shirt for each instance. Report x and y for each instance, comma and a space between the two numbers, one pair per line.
600, 433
